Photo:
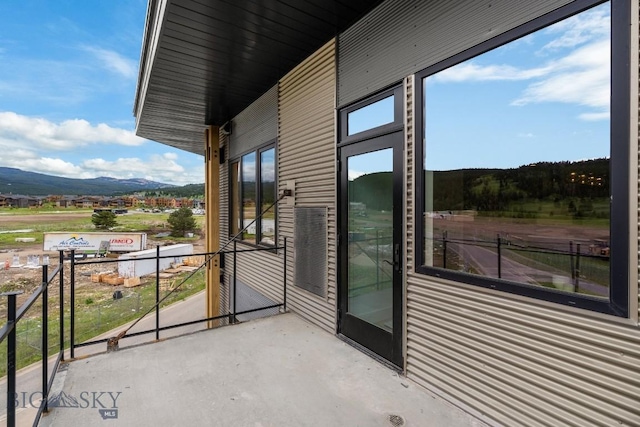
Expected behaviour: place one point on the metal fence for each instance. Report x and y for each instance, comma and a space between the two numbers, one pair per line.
129, 306
578, 267
9, 334
90, 322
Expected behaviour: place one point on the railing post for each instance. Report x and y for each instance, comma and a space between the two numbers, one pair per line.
577, 283
499, 259
573, 270
45, 334
235, 271
444, 249
284, 277
157, 292
62, 303
11, 358
72, 303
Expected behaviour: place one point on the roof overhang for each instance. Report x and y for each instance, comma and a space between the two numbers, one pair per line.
204, 61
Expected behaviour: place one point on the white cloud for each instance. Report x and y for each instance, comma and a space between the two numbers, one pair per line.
355, 174
161, 168
115, 62
470, 71
67, 135
580, 29
578, 75
581, 77
27, 143
525, 135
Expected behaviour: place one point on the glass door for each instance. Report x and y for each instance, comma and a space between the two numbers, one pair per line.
370, 298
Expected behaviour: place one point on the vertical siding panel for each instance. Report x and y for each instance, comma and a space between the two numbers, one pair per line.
256, 125
399, 38
253, 127
224, 222
635, 74
307, 156
513, 360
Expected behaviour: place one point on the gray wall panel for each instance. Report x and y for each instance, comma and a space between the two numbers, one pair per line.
306, 156
401, 37
511, 360
256, 125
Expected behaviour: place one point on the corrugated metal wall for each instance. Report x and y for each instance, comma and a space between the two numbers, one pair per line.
307, 155
635, 74
256, 125
224, 224
401, 37
263, 271
517, 361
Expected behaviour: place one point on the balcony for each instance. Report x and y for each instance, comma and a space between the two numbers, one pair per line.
168, 370
278, 370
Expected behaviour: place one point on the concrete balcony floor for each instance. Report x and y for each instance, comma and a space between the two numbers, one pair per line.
276, 371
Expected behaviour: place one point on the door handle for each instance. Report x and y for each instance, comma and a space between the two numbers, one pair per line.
396, 254
396, 259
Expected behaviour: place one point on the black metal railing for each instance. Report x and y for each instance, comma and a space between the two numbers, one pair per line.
17, 314
8, 333
567, 257
230, 316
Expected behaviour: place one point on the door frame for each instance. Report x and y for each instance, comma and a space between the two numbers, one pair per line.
383, 344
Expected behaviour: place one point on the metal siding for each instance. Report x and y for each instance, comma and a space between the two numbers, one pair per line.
636, 75
224, 224
253, 127
512, 360
401, 37
256, 125
307, 156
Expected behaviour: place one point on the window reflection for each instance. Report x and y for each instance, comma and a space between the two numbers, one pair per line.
268, 196
516, 160
371, 116
249, 196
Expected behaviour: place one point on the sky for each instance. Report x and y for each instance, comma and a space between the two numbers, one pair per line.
68, 73
543, 97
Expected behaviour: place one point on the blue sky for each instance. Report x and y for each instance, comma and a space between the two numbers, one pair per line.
543, 97
68, 73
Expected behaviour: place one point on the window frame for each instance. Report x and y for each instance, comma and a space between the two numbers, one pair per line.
396, 125
258, 191
619, 288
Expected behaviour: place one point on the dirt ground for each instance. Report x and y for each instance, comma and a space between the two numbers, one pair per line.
27, 279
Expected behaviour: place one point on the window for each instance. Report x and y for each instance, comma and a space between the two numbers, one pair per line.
252, 192
372, 117
524, 185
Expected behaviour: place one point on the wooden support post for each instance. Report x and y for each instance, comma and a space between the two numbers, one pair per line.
212, 220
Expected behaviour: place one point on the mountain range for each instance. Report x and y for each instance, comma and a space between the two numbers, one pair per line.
16, 181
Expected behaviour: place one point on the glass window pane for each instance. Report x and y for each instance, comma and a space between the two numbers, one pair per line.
234, 189
268, 196
373, 115
249, 195
370, 237
516, 160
